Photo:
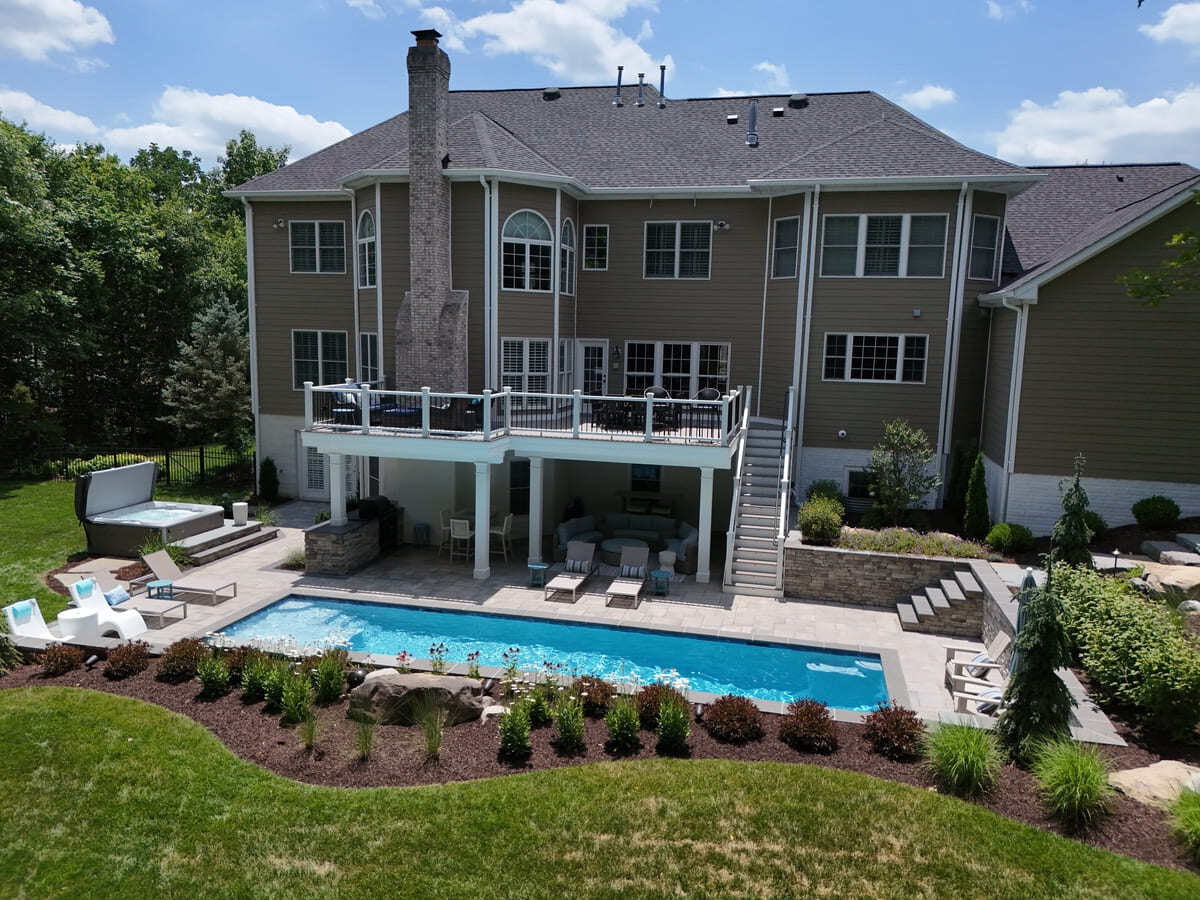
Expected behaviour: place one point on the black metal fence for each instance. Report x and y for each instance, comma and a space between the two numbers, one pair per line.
177, 465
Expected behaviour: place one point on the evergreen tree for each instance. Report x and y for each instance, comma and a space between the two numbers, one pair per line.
1037, 704
208, 390
1071, 534
976, 522
899, 470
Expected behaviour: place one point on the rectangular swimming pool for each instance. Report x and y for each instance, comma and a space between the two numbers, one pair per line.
766, 671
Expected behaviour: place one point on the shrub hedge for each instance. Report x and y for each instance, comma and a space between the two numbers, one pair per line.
820, 520
1006, 537
1157, 512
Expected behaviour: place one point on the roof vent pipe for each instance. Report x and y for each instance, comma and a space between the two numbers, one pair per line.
641, 84
798, 101
617, 99
662, 87
551, 93
752, 125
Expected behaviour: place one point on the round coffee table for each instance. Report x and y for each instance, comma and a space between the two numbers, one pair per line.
610, 550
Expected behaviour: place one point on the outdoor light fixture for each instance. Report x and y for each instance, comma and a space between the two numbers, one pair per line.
278, 223
1116, 558
699, 710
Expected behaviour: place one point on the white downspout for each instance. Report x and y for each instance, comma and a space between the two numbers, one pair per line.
1014, 396
495, 284
812, 217
762, 333
487, 288
987, 366
379, 293
251, 316
354, 277
950, 350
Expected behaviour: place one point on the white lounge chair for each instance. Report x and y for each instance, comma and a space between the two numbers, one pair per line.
212, 588
579, 566
976, 665
24, 620
985, 697
127, 623
627, 587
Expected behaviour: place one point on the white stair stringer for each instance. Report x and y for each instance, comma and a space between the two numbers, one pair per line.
754, 568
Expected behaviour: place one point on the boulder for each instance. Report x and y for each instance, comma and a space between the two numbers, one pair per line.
1190, 541
1174, 582
1158, 784
1179, 558
1190, 606
391, 697
494, 711
1155, 549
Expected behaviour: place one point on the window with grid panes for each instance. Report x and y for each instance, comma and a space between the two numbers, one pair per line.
595, 248
714, 367
883, 245
787, 242
639, 367
677, 369
839, 246
318, 247
319, 357
677, 250
566, 277
875, 357
366, 249
526, 252
985, 233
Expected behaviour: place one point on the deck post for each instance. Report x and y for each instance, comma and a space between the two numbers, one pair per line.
308, 403
724, 420
483, 517
508, 410
364, 406
487, 414
576, 410
425, 411
535, 508
649, 417
337, 489
704, 545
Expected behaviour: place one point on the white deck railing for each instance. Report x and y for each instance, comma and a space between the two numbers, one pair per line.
731, 533
486, 416
785, 489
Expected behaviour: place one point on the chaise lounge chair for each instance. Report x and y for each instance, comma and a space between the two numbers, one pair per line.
579, 565
127, 623
25, 620
979, 665
626, 588
211, 588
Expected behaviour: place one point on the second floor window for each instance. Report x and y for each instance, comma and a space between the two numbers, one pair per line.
677, 250
884, 246
595, 248
318, 247
787, 242
875, 357
526, 253
566, 275
681, 368
319, 357
368, 357
985, 233
366, 250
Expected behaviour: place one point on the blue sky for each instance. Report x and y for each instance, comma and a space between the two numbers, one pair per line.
1035, 82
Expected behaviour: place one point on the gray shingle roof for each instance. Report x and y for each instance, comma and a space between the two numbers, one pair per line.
688, 144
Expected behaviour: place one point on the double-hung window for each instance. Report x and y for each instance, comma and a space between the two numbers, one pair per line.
786, 246
566, 367
526, 253
318, 247
677, 250
909, 245
985, 237
897, 358
682, 368
525, 366
566, 258
366, 249
319, 357
595, 248
368, 357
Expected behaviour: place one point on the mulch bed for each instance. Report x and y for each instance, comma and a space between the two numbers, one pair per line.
470, 751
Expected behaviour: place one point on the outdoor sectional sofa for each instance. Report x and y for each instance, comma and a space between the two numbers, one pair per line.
659, 532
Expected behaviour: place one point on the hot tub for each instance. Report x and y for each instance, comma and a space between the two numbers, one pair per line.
119, 514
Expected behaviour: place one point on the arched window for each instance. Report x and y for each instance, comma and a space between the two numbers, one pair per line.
366, 249
566, 274
526, 253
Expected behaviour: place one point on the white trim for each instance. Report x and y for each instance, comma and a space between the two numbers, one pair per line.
320, 353
803, 345
571, 250
768, 265
556, 282
1025, 289
1014, 400
527, 243
693, 375
372, 245
526, 372
488, 249
250, 298
284, 196
585, 266
900, 350
904, 246
773, 238
354, 281
379, 284
316, 224
954, 304
678, 223
995, 247
495, 284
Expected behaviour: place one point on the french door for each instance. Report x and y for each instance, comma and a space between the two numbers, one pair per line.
593, 367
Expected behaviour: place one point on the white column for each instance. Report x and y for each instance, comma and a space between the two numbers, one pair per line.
483, 510
337, 489
535, 509
705, 544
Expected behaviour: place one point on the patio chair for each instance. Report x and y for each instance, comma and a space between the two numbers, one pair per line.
212, 588
504, 533
24, 619
152, 609
127, 623
979, 665
578, 567
986, 701
626, 588
444, 541
666, 415
461, 533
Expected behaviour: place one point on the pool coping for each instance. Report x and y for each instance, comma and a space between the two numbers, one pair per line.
893, 673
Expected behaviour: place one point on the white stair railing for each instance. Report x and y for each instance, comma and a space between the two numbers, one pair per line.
730, 535
785, 491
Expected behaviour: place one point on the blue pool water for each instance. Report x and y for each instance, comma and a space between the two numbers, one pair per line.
842, 679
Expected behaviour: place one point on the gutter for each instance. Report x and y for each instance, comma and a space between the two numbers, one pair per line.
953, 327
487, 275
812, 216
354, 277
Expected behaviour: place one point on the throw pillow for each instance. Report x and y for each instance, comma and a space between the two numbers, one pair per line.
84, 588
633, 571
116, 595
577, 566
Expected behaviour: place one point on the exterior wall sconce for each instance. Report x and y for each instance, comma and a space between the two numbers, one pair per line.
278, 224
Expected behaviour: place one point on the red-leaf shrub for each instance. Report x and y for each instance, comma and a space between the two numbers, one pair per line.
596, 694
648, 700
895, 732
59, 659
127, 660
809, 727
180, 660
734, 720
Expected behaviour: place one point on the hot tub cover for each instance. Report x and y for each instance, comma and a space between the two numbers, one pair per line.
108, 489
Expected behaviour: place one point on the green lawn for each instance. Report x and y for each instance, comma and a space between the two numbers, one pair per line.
38, 531
114, 797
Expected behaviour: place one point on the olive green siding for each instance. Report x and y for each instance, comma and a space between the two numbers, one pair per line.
364, 199
779, 335
1109, 377
284, 301
466, 269
999, 379
877, 306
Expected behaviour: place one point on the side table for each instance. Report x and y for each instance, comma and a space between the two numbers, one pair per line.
660, 582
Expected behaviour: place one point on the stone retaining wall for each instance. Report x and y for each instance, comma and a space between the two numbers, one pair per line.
340, 549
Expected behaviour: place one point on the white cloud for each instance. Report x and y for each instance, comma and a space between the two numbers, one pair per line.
34, 29
928, 97
774, 79
368, 8
1180, 22
577, 40
21, 107
1100, 125
998, 11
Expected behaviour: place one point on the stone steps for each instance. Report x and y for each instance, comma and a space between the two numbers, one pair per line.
214, 536
954, 606
228, 548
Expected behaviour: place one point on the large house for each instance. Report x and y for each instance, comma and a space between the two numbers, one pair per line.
498, 272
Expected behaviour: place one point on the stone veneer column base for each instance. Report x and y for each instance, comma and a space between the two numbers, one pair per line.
341, 549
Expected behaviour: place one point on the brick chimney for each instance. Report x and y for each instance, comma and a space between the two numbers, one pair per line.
431, 324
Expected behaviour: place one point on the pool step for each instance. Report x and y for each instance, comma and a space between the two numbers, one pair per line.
952, 606
198, 543
246, 541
